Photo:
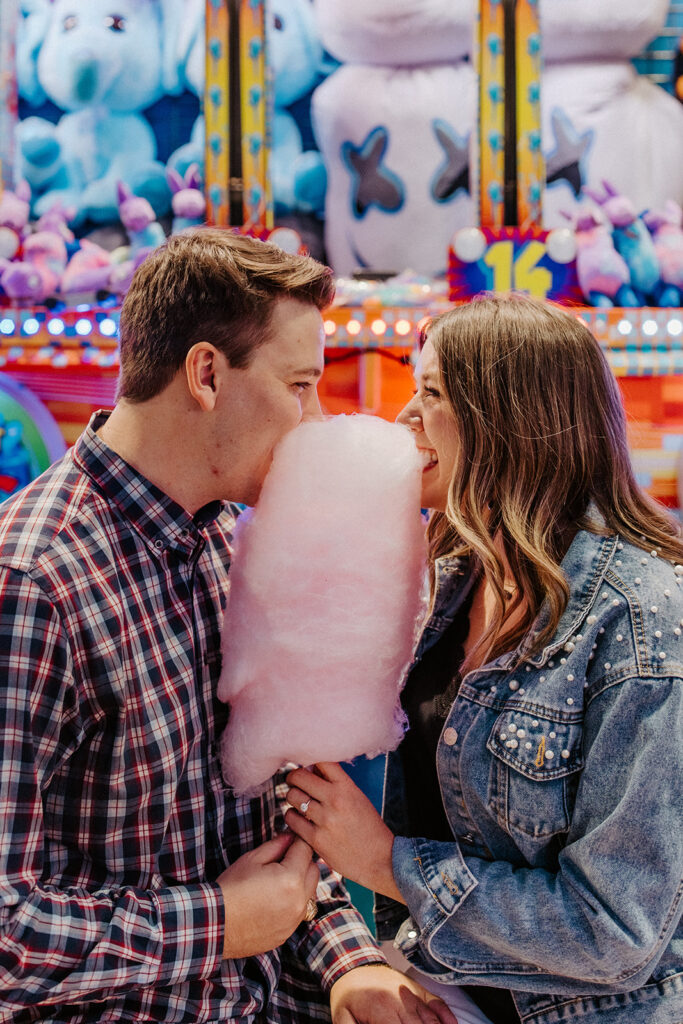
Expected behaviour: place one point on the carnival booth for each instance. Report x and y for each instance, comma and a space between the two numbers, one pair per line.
427, 151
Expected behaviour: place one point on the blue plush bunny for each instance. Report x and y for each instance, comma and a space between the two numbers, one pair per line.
298, 176
102, 63
298, 64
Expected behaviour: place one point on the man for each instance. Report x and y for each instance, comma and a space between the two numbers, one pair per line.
134, 886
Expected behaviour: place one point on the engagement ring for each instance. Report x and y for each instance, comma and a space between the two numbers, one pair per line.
311, 910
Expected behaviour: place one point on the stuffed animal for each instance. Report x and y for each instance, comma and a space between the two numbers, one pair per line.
87, 273
631, 239
394, 122
326, 586
189, 202
102, 65
602, 272
190, 55
57, 219
298, 176
36, 277
15, 210
666, 227
138, 218
297, 64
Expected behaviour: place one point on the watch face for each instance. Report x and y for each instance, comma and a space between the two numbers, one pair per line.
30, 439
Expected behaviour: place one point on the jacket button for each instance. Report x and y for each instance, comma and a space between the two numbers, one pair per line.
450, 736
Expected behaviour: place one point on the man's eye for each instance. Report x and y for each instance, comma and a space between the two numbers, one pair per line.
70, 22
302, 385
116, 22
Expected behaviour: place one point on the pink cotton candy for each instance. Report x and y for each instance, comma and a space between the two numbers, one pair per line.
326, 590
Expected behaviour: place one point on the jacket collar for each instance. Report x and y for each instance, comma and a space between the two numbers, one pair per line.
584, 565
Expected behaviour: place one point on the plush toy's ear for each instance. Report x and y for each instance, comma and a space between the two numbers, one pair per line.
172, 15
191, 24
193, 176
122, 192
31, 30
23, 191
175, 182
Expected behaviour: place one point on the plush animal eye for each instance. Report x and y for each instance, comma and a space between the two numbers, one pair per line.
116, 22
278, 22
70, 22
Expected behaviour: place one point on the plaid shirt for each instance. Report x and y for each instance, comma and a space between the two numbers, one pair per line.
115, 819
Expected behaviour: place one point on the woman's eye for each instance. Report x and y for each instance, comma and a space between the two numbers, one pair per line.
116, 22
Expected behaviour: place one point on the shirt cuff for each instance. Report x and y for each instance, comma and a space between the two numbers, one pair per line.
193, 932
432, 877
337, 942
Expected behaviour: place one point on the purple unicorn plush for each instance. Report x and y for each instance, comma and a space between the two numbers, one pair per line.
139, 219
188, 202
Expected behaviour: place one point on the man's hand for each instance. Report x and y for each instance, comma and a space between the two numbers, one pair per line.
265, 893
380, 995
342, 825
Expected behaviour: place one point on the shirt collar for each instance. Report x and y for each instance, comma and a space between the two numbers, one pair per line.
160, 521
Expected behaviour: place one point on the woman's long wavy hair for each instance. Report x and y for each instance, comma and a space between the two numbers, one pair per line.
541, 436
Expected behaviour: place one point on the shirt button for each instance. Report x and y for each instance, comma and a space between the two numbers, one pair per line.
450, 736
158, 543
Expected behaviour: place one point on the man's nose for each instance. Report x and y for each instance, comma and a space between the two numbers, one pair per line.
312, 409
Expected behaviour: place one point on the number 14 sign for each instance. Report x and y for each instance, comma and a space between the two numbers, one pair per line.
540, 263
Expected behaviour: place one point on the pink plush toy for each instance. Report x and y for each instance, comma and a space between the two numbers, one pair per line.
14, 214
188, 202
666, 227
326, 591
57, 219
87, 272
603, 274
36, 278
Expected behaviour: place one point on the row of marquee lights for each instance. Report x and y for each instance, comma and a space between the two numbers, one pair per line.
358, 326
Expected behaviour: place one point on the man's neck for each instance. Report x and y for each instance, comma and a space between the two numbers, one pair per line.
158, 441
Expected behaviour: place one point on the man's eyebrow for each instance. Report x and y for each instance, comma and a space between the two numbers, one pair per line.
312, 371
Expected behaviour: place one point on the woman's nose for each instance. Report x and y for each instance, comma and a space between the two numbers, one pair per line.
408, 417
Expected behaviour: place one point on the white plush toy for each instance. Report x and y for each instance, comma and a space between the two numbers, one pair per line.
393, 124
394, 121
326, 588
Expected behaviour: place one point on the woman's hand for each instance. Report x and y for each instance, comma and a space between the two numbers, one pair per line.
380, 995
334, 817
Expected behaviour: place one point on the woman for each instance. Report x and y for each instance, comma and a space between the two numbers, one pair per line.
532, 842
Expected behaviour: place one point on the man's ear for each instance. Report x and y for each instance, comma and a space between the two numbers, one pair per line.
201, 369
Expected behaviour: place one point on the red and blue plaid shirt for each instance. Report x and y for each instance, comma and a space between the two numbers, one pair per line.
115, 819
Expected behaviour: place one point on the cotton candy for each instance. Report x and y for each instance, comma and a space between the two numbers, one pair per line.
326, 591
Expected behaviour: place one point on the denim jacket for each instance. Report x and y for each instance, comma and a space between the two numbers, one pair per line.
562, 780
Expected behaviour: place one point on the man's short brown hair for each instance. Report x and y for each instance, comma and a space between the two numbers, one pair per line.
207, 284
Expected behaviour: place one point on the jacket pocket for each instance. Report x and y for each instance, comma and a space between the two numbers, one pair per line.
534, 773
